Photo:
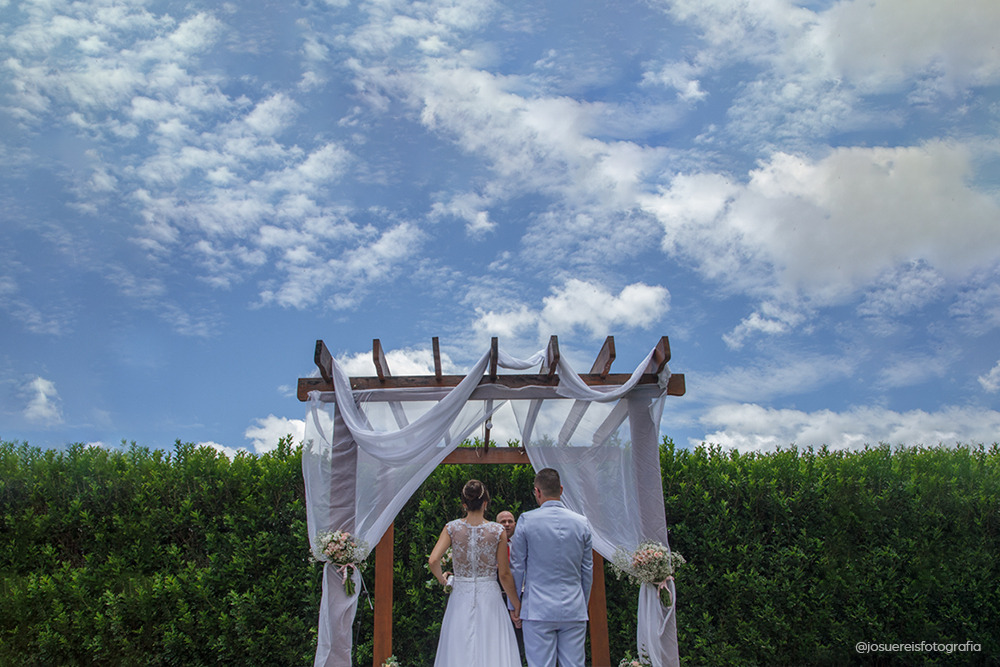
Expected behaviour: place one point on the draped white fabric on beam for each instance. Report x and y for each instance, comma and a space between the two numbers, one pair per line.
364, 456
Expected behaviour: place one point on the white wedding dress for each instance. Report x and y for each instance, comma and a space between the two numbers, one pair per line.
476, 630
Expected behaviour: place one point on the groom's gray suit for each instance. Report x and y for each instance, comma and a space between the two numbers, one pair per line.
552, 562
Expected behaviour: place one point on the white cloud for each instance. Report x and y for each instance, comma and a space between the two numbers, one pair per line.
880, 44
682, 77
470, 207
577, 305
266, 432
408, 361
826, 228
991, 381
42, 402
978, 309
506, 324
788, 375
771, 319
901, 290
272, 115
913, 370
589, 306
750, 427
230, 452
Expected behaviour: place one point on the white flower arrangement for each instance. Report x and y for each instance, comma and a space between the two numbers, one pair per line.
445, 561
629, 661
391, 661
650, 563
343, 550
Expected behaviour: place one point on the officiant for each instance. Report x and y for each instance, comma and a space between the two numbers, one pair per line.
506, 519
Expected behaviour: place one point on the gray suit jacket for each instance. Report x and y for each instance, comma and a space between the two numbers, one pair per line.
552, 561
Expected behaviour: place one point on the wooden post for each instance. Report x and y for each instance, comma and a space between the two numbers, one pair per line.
382, 648
600, 649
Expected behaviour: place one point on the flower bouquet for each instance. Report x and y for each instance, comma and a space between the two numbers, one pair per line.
629, 661
445, 562
344, 551
391, 661
650, 563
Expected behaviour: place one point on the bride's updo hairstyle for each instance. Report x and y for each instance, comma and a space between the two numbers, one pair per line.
474, 495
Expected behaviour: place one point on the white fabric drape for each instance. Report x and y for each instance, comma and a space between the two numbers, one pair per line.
363, 457
605, 446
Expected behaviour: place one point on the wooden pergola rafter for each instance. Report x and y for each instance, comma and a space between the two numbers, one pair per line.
493, 385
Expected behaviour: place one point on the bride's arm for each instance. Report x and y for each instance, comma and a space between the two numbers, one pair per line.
506, 578
434, 560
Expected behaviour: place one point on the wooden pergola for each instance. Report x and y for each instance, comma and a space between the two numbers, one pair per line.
545, 380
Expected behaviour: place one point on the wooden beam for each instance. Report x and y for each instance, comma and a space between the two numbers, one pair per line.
602, 365
512, 381
552, 356
436, 347
661, 355
494, 358
382, 647
597, 608
493, 455
324, 360
378, 356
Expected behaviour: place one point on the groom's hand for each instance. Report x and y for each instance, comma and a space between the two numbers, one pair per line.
515, 618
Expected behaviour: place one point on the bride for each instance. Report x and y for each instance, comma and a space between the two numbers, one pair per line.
477, 628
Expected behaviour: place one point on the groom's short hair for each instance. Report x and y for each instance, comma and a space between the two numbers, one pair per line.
547, 481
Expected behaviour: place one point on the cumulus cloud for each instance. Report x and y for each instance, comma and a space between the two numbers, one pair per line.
828, 227
990, 382
470, 207
770, 319
265, 433
230, 452
407, 361
880, 44
750, 427
43, 404
579, 304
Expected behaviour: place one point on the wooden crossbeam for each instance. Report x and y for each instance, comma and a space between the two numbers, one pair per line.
676, 386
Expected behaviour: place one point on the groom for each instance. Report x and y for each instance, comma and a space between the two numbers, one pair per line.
552, 562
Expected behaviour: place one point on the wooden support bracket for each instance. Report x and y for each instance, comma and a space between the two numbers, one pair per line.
661, 355
494, 358
436, 347
552, 356
324, 360
602, 366
378, 356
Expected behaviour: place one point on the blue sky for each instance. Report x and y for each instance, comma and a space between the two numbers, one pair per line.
803, 196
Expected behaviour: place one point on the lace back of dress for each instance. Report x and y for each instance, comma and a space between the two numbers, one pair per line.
474, 548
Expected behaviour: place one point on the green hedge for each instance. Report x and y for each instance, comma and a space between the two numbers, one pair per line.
139, 557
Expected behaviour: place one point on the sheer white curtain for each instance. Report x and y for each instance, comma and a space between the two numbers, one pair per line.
605, 445
362, 459
364, 456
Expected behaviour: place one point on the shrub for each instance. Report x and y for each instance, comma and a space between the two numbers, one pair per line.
140, 557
